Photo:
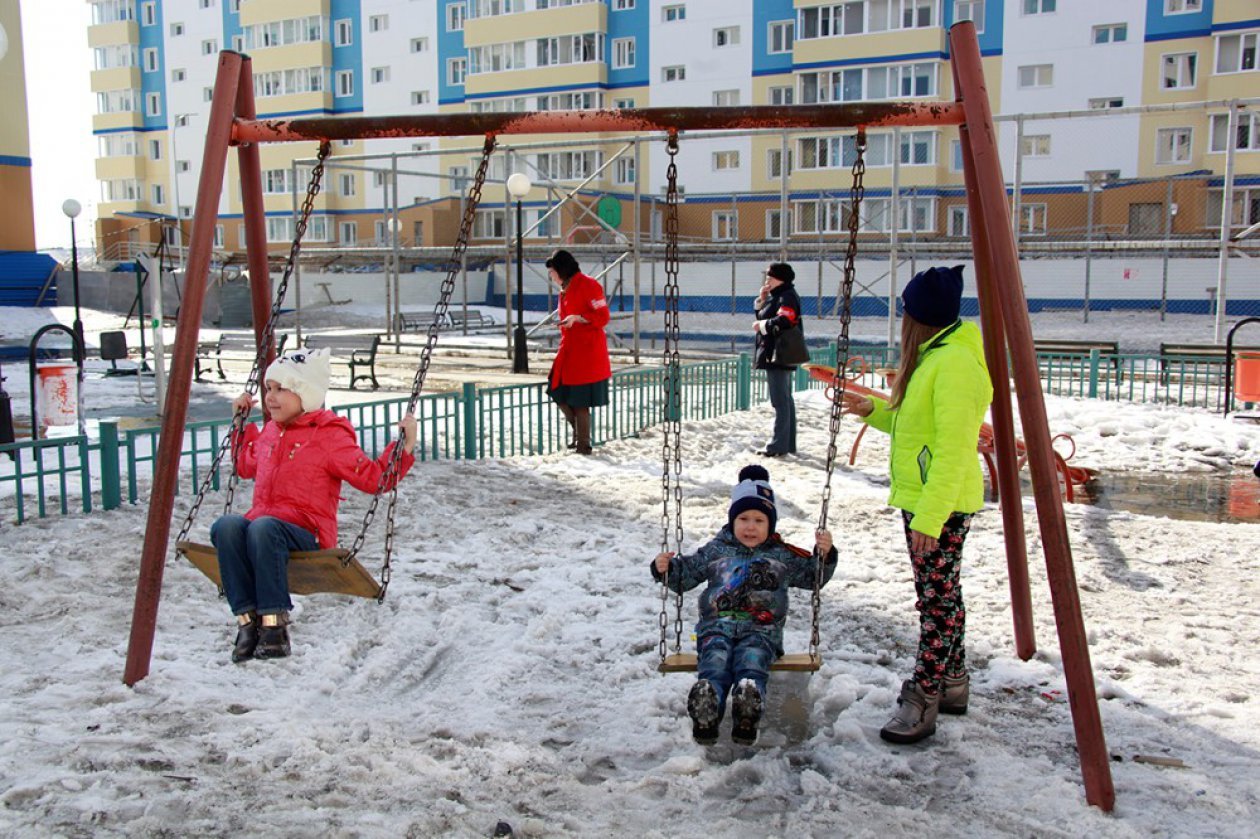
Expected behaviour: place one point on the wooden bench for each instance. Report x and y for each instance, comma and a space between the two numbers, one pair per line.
1171, 353
358, 351
474, 319
1108, 351
413, 321
243, 347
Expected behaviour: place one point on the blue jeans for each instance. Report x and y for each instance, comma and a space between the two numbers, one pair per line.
254, 561
779, 383
726, 661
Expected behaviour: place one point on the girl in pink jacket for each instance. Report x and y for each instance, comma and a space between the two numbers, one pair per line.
298, 462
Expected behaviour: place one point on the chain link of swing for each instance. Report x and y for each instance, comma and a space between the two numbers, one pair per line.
671, 448
856, 192
265, 344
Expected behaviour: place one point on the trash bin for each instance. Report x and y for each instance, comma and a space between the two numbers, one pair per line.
1247, 376
58, 395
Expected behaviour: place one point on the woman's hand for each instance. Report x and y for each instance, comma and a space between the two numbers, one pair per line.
921, 543
569, 320
407, 425
661, 562
241, 406
822, 542
856, 404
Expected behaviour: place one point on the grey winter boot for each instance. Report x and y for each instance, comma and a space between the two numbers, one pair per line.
915, 719
703, 707
746, 705
955, 691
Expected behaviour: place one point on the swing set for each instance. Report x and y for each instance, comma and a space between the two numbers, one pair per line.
1003, 312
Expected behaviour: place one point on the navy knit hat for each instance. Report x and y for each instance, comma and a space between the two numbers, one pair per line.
564, 263
781, 271
934, 296
753, 492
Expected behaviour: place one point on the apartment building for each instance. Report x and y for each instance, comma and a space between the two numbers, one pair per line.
155, 63
17, 224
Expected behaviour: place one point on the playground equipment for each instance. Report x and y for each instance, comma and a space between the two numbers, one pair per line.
1070, 477
1003, 309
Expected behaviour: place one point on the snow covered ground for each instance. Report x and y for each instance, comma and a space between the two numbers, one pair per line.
510, 673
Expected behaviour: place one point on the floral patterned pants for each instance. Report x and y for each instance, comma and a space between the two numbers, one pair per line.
942, 619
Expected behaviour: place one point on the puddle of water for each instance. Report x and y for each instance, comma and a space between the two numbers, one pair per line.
1194, 496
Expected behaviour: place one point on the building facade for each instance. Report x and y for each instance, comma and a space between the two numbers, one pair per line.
155, 62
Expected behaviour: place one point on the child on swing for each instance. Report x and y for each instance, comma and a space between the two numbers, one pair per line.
748, 568
298, 462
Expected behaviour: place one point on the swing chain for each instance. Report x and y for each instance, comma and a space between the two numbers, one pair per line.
856, 192
233, 438
389, 475
671, 454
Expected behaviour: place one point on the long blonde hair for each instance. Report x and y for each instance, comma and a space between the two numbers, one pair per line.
913, 335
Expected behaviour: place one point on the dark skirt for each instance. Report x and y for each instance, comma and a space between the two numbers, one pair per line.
592, 395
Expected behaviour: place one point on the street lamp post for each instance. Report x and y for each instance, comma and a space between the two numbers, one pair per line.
72, 209
519, 185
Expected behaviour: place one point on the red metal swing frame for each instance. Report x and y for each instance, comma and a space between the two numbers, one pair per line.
1003, 315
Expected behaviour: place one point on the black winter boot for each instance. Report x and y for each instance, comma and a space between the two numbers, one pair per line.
746, 705
246, 637
273, 637
703, 707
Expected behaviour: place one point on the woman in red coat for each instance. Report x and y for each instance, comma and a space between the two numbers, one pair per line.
580, 373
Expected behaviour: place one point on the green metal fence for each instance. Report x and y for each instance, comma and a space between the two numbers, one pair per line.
41, 477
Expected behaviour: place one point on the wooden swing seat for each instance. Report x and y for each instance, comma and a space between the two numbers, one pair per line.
310, 572
797, 662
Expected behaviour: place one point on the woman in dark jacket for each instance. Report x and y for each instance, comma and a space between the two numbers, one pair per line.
579, 376
778, 309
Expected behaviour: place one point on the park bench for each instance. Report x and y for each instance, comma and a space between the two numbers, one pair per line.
413, 321
1182, 355
1108, 351
243, 347
473, 319
358, 351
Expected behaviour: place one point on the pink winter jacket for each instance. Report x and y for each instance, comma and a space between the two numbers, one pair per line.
298, 470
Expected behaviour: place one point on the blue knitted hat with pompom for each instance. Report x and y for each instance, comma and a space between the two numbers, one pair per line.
753, 492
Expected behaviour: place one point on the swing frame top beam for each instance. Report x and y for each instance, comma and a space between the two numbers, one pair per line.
849, 115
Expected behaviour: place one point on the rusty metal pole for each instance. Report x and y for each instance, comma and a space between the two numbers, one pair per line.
991, 205
166, 463
1008, 489
255, 219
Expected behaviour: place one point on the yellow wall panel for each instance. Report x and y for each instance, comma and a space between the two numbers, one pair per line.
119, 32
571, 20
124, 119
567, 74
117, 168
265, 11
1234, 11
290, 56
314, 101
116, 78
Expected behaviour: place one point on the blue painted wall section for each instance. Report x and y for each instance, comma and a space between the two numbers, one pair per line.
994, 20
765, 12
628, 23
231, 25
450, 44
348, 57
155, 82
1166, 27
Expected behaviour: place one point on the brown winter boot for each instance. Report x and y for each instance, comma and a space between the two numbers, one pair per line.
568, 417
582, 429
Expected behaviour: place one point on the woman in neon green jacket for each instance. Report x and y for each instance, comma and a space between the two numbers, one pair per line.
938, 402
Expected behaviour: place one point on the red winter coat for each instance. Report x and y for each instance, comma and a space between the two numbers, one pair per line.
583, 355
298, 470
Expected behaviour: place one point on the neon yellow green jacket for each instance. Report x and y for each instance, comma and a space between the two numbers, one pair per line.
933, 465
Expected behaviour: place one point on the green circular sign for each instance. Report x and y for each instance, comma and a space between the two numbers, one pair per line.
609, 211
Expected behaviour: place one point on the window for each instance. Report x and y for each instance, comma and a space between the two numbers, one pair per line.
150, 60
670, 14
782, 95
109, 11
918, 148
207, 94
419, 44
152, 104
1111, 33
378, 23
1179, 70
959, 224
238, 43
1035, 145
345, 83
623, 53
570, 49
280, 228
181, 120
456, 70
1244, 209
774, 224
458, 175
955, 156
724, 160
841, 152
781, 36
725, 225
182, 166
209, 46
206, 4
1036, 75
380, 74
379, 178
726, 36
623, 170
419, 97
725, 98
177, 29
675, 73
972, 10
622, 5
1236, 53
275, 181
1032, 219
178, 75
348, 184
621, 104
568, 166
348, 233
155, 149
1181, 7
218, 233
343, 33
417, 231
1102, 103
148, 14
1247, 137
893, 81
1038, 7
455, 16
488, 225
827, 21
234, 6
159, 195
774, 163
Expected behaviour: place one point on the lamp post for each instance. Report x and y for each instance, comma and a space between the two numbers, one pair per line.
519, 185
72, 209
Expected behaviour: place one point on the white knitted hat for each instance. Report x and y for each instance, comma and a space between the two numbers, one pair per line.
306, 373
